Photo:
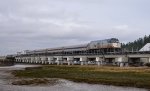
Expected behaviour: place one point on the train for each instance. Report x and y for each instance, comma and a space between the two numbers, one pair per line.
112, 43
107, 43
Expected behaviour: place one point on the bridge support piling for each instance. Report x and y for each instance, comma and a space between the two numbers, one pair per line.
50, 60
122, 61
99, 61
83, 60
59, 60
43, 59
70, 60
32, 60
121, 64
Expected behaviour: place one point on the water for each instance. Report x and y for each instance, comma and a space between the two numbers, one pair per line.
5, 77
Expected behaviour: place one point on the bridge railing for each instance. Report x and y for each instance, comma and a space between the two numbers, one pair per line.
73, 53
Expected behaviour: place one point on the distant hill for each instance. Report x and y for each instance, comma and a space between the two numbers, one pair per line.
137, 44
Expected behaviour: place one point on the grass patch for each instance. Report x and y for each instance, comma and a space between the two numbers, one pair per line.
134, 77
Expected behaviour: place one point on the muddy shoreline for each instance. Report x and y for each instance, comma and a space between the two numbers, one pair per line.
6, 79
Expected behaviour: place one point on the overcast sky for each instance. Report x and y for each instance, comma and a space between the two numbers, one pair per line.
36, 24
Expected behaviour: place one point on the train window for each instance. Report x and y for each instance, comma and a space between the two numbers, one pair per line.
113, 40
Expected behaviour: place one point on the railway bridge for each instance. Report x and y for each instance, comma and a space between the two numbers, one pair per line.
118, 58
100, 52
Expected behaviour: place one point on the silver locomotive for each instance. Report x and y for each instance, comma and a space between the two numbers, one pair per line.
107, 43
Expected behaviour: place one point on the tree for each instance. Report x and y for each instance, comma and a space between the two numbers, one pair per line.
137, 44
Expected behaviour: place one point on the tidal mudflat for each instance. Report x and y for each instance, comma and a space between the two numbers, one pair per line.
62, 85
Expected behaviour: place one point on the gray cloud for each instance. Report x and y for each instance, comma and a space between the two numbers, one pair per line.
33, 24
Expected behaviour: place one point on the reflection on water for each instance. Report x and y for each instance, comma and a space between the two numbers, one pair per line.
63, 86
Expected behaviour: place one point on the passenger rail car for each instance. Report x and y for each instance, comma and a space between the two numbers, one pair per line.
112, 43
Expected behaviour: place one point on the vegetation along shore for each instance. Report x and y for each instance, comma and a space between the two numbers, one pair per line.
128, 76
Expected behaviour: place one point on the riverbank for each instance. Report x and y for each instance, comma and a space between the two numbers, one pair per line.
132, 77
6, 62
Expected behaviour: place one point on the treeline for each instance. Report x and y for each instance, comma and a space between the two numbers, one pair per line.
137, 44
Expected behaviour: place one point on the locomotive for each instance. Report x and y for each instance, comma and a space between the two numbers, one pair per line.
107, 43
112, 43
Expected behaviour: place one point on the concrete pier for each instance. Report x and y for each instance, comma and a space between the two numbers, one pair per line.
70, 60
119, 60
59, 60
99, 61
83, 60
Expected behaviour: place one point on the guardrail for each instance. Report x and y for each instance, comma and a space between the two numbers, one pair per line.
84, 53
